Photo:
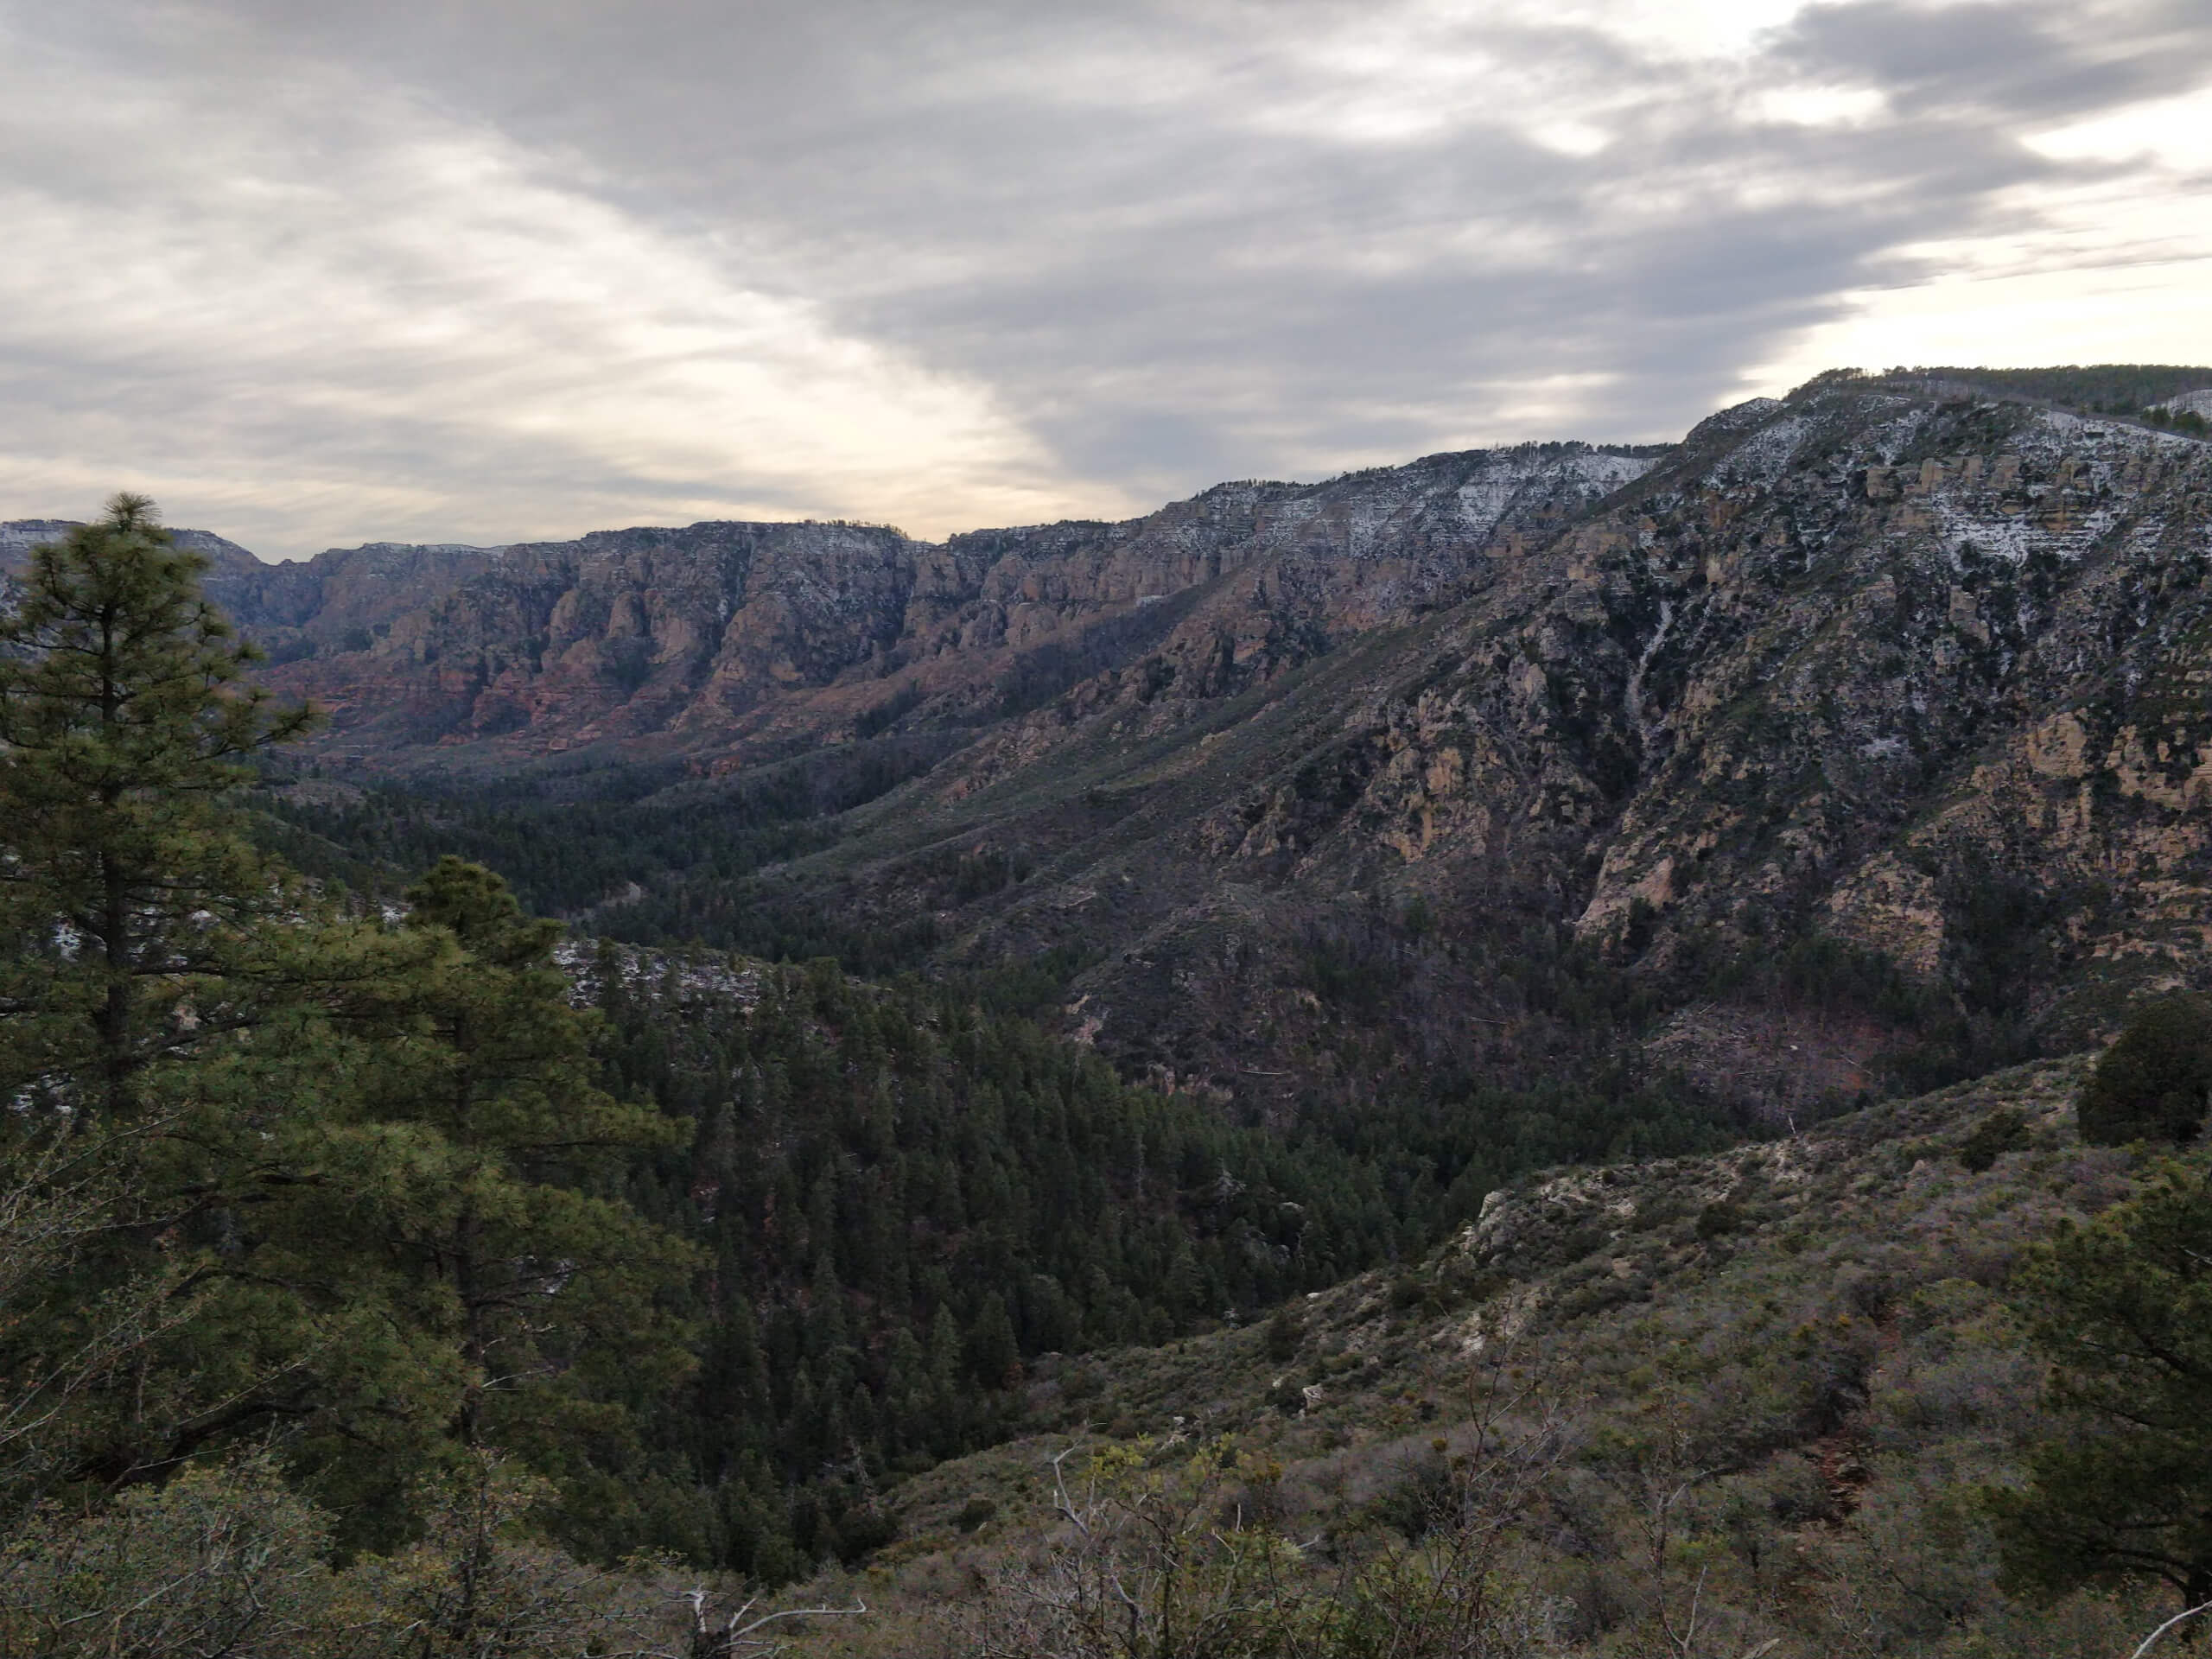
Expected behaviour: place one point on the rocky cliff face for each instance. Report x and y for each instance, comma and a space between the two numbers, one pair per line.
1919, 671
538, 647
735, 641
1924, 672
1913, 669
1932, 652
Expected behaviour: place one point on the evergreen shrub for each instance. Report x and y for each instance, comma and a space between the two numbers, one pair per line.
1995, 1135
2155, 1082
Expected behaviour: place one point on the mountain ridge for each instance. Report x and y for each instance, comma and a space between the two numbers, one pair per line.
1781, 691
681, 635
1860, 725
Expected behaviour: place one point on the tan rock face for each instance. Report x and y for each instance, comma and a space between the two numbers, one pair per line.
725, 636
1897, 911
1960, 727
1978, 711
1926, 674
2058, 747
1772, 692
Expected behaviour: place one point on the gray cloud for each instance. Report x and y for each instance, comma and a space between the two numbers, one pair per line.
491, 268
1983, 60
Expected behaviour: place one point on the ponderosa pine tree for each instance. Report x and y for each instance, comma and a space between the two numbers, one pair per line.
363, 1171
399, 1204
506, 1217
2121, 1307
127, 904
142, 944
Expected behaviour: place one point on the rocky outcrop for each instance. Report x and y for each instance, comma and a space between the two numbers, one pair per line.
1920, 673
1935, 680
623, 635
737, 640
1914, 670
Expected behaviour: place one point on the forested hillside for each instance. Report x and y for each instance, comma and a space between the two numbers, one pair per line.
359, 1195
2105, 388
1921, 1381
317, 1273
1166, 1033
1846, 747
900, 1201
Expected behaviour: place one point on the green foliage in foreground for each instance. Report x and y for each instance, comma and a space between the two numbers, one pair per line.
2123, 1308
370, 1195
274, 1175
229, 1562
125, 896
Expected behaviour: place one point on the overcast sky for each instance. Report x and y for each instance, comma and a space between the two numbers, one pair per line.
319, 272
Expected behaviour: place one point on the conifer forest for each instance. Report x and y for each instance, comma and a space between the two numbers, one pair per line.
1632, 1083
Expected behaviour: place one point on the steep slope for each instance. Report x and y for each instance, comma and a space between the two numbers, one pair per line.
742, 641
1921, 673
898, 1201
1857, 738
1913, 669
1763, 1385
